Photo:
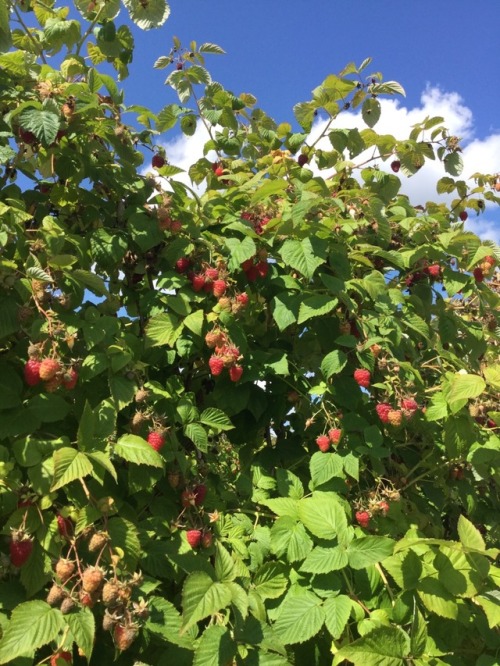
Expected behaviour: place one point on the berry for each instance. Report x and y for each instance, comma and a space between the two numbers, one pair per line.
463, 215
55, 595
64, 569
20, 548
141, 395
182, 265
198, 282
262, 268
179, 66
375, 350
478, 274
242, 298
98, 541
252, 273
64, 526
433, 271
323, 442
216, 365
302, 159
335, 435
214, 338
219, 288
207, 539
396, 166
156, 440
193, 538
32, 372
53, 384
362, 377
247, 265
218, 171
363, 518
199, 493
383, 410
235, 373
158, 161
211, 274
59, 658
110, 593
49, 367
92, 579
187, 498
384, 507
67, 605
395, 417
70, 379
125, 635
87, 599
409, 407
490, 260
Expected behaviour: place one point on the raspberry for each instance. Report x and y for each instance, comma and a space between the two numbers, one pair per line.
92, 579
463, 215
156, 440
396, 166
124, 636
214, 338
224, 303
302, 159
235, 373
409, 407
216, 365
199, 493
53, 384
64, 526
433, 271
187, 498
198, 282
383, 410
335, 435
207, 539
211, 274
375, 350
49, 367
59, 658
262, 268
478, 274
98, 541
141, 395
70, 379
182, 265
67, 605
64, 569
363, 518
218, 169
395, 417
323, 443
219, 288
55, 595
252, 273
242, 298
158, 161
362, 377
137, 420
193, 538
247, 265
109, 621
490, 260
110, 593
32, 372
20, 548
384, 507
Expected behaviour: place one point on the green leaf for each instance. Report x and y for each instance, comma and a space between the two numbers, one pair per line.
300, 618
383, 646
437, 599
69, 464
325, 466
32, 625
418, 635
43, 124
165, 621
453, 164
240, 251
289, 484
148, 15
469, 535
82, 625
201, 597
288, 537
490, 603
224, 564
163, 329
286, 309
370, 111
323, 560
90, 281
216, 419
197, 434
333, 363
125, 536
207, 47
369, 550
122, 390
465, 386
323, 515
270, 580
5, 36
337, 612
215, 647
304, 256
136, 450
315, 306
283, 506
104, 461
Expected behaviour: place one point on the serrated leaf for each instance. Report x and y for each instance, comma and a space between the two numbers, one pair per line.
304, 256
207, 47
365, 551
224, 564
315, 306
125, 536
136, 450
104, 461
5, 34
371, 111
240, 251
197, 434
289, 484
463, 387
163, 329
323, 560
437, 599
69, 464
453, 164
418, 634
122, 390
383, 646
337, 611
201, 597
325, 466
301, 617
286, 309
90, 281
469, 535
215, 647
323, 515
288, 537
32, 625
490, 603
82, 625
216, 419
270, 580
37, 273
43, 124
282, 506
165, 621
149, 14
333, 363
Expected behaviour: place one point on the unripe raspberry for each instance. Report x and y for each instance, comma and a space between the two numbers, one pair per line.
67, 605
323, 442
362, 377
125, 635
110, 593
363, 518
55, 595
70, 379
109, 621
65, 526
207, 539
49, 367
98, 541
225, 303
375, 350
214, 338
53, 384
384, 507
141, 395
395, 417
64, 569
92, 579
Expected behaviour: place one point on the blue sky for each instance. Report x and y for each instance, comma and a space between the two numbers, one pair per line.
445, 54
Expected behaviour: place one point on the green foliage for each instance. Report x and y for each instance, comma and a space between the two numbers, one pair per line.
173, 356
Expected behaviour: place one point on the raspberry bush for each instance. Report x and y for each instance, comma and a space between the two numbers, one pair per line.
253, 420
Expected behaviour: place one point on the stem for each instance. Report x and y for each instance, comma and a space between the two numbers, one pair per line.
30, 36
386, 582
88, 31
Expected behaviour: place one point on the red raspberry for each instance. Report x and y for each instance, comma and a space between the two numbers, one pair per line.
199, 493
362, 377
242, 298
182, 265
463, 215
20, 548
207, 539
302, 159
383, 410
262, 268
335, 435
49, 367
32, 372
218, 170
219, 288
323, 442
478, 274
64, 526
384, 507
490, 260
363, 518
409, 407
198, 282
396, 166
193, 538
433, 271
156, 440
58, 658
211, 274
70, 379
158, 161
395, 417
252, 273
216, 365
235, 373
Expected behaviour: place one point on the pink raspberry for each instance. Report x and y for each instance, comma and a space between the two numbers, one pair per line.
363, 518
156, 440
335, 435
383, 410
32, 372
323, 442
362, 377
194, 538
235, 373
216, 365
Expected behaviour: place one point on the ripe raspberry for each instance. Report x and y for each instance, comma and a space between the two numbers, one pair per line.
363, 518
235, 373
67, 605
98, 541
182, 265
156, 440
20, 548
302, 159
64, 526
262, 268
433, 271
187, 498
55, 595
199, 493
124, 636
323, 442
242, 298
396, 166
247, 265
32, 372
110, 593
211, 274
49, 367
92, 579
87, 599
64, 569
383, 410
490, 260
207, 539
193, 538
217, 169
362, 377
70, 379
216, 365
158, 161
198, 282
252, 273
59, 658
219, 288
409, 407
335, 435
463, 215
395, 417
478, 274
384, 507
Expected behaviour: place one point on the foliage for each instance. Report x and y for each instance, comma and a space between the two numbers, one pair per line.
172, 357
